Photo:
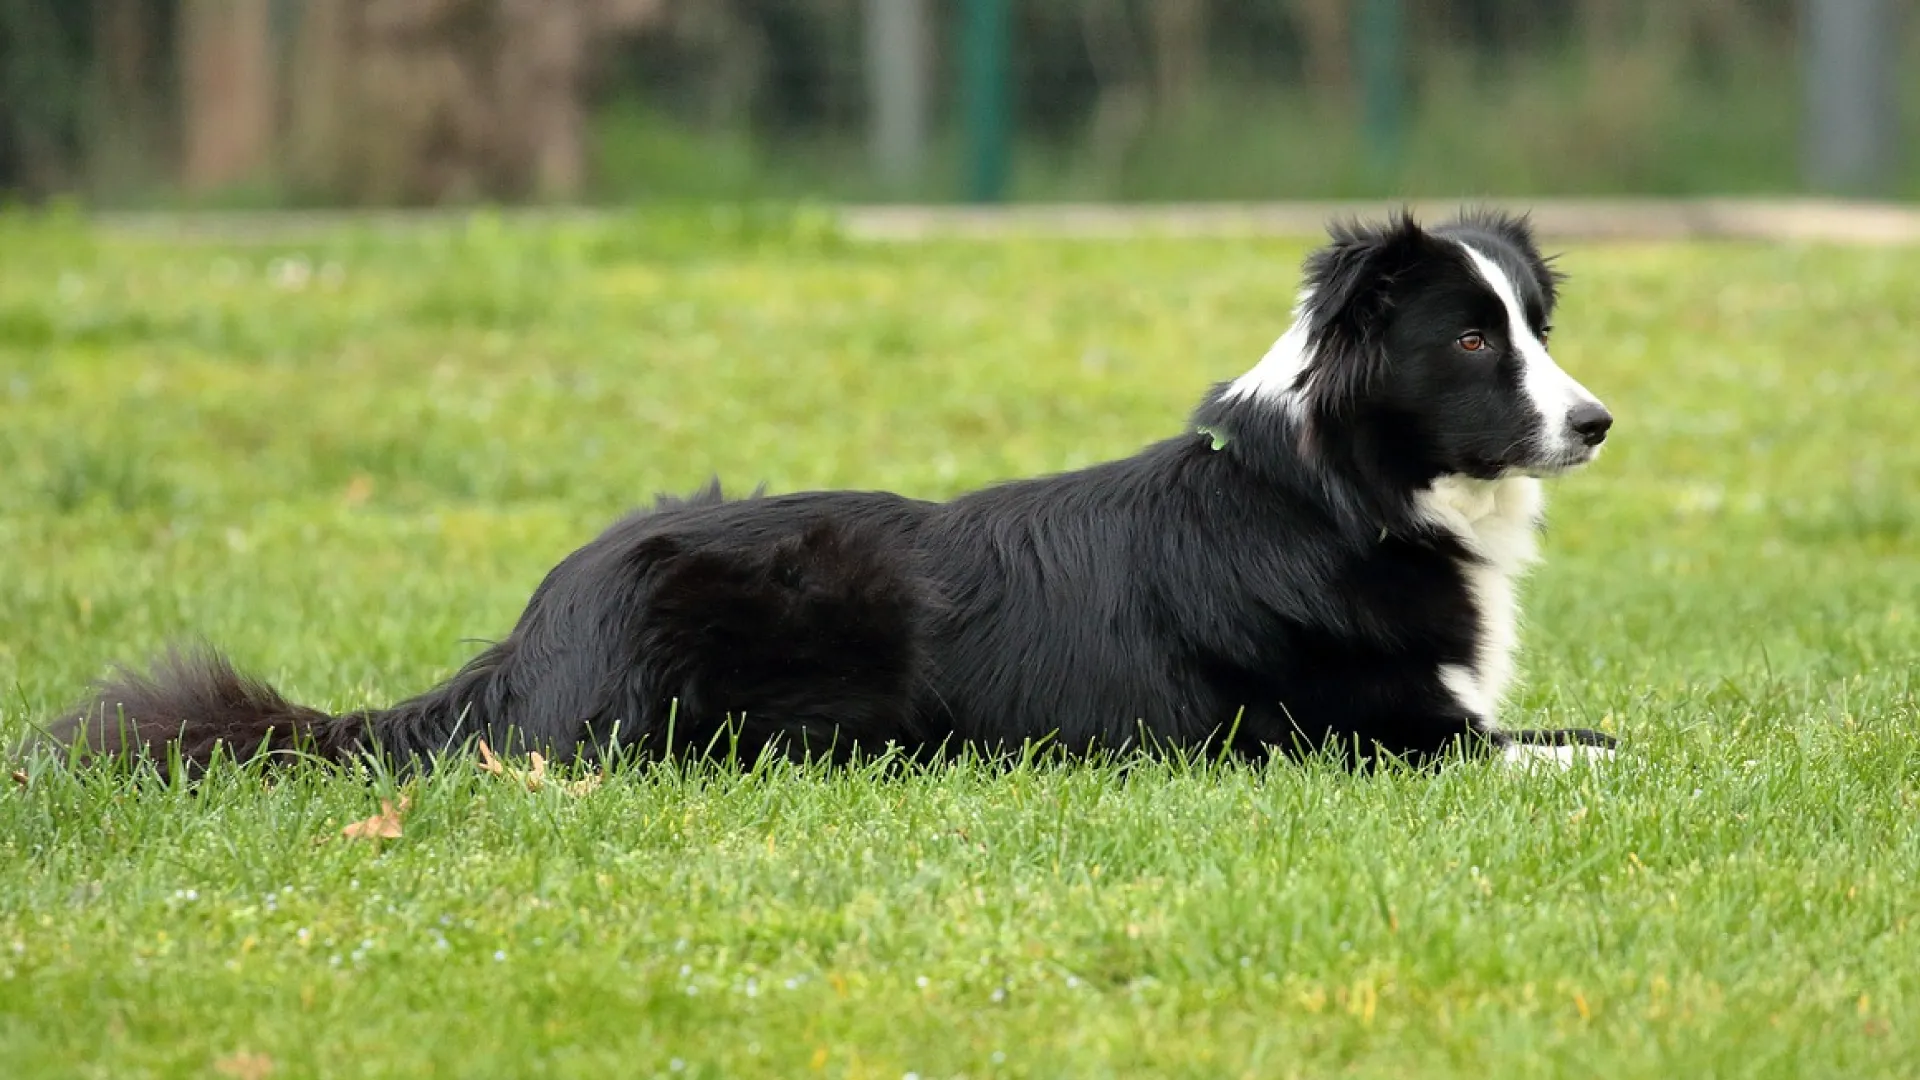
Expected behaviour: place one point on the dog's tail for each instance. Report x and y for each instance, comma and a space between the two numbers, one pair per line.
192, 703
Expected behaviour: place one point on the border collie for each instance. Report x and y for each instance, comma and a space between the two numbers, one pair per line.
1327, 557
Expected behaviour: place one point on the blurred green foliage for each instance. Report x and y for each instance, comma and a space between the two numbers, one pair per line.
766, 98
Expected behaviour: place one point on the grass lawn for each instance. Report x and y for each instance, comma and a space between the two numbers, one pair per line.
346, 459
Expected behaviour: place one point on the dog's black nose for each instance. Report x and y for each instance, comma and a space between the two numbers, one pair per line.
1590, 421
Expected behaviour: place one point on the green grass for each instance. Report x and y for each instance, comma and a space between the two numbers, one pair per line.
344, 460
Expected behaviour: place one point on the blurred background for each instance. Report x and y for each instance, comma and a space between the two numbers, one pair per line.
272, 103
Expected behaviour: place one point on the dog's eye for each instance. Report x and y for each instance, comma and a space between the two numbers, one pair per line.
1471, 341
1546, 331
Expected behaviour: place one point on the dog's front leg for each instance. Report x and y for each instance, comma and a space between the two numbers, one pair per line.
1558, 746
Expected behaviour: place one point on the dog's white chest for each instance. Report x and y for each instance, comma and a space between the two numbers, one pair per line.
1497, 520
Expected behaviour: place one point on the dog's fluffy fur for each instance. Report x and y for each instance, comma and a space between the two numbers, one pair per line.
1328, 556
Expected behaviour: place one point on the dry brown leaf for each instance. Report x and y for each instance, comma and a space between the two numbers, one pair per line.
384, 825
245, 1066
488, 763
20, 777
534, 777
359, 490
583, 785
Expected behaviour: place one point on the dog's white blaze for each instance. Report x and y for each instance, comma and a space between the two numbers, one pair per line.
1554, 393
1498, 521
1563, 756
1277, 378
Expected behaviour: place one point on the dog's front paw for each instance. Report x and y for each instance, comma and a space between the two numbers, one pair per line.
1561, 747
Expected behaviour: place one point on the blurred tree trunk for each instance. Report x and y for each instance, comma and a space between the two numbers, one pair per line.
735, 52
431, 101
1609, 26
1326, 33
1179, 53
1121, 107
537, 83
121, 30
320, 103
122, 118
227, 91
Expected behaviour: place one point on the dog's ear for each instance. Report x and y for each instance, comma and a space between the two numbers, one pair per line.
1350, 292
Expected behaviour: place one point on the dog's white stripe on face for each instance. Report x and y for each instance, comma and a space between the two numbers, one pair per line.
1552, 391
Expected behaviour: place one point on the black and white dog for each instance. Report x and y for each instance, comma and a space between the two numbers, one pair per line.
1327, 557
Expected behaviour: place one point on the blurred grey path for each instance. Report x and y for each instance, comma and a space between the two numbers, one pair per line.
1791, 219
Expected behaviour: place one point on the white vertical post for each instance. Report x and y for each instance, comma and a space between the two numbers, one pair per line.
897, 83
1852, 121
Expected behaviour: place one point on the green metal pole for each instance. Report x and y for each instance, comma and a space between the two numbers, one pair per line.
985, 41
1383, 80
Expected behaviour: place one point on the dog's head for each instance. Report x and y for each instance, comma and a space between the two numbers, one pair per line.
1442, 336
